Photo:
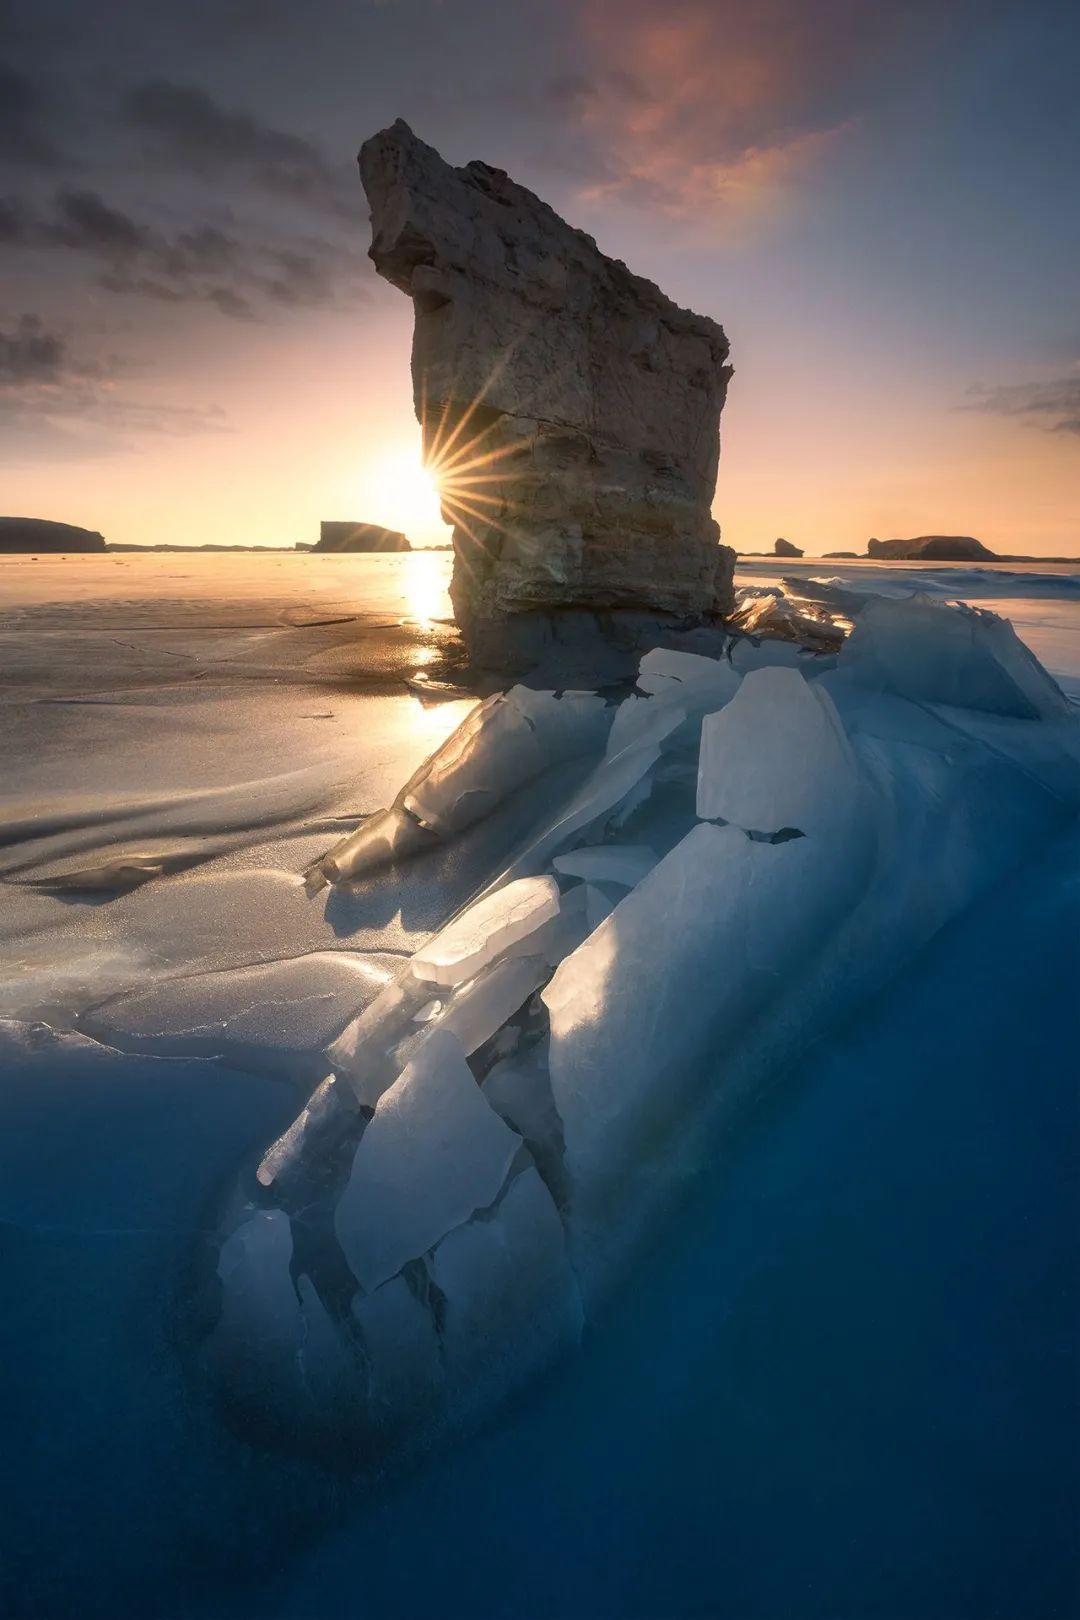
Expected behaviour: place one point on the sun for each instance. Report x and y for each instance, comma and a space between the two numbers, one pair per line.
404, 495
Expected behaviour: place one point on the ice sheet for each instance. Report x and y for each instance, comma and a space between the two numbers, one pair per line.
287, 1007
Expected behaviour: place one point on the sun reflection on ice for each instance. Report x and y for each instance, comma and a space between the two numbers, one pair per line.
427, 575
432, 723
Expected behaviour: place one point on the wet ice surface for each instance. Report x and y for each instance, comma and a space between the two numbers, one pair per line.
858, 1314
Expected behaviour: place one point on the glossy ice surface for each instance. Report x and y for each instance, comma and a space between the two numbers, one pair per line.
854, 1335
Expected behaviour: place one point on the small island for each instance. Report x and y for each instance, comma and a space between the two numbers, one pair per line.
933, 548
342, 536
41, 534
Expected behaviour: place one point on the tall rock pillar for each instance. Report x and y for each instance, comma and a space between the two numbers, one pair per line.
570, 411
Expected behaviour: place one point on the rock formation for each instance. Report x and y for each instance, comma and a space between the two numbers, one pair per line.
359, 537
784, 548
41, 534
569, 409
933, 548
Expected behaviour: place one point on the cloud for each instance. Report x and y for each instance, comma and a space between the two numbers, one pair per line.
1053, 405
701, 106
55, 404
82, 219
183, 127
25, 141
202, 263
16, 221
30, 353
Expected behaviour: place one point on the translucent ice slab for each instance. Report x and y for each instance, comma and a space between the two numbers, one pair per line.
689, 954
486, 930
512, 1270
434, 1153
401, 1347
482, 1005
608, 863
777, 613
776, 757
506, 741
931, 652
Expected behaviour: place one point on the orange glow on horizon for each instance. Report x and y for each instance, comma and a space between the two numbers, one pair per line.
401, 493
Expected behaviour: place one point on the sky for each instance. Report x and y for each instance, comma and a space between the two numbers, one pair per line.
878, 200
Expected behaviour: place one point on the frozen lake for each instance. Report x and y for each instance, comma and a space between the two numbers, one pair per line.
843, 1381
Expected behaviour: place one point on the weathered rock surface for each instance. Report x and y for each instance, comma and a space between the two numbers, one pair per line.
933, 548
784, 548
570, 410
359, 537
41, 534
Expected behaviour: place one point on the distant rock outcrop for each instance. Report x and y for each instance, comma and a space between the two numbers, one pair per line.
41, 534
569, 409
840, 553
784, 548
359, 537
933, 548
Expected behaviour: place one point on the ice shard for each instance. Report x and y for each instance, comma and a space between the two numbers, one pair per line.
365, 1051
932, 652
625, 864
480, 1006
485, 931
776, 757
688, 956
256, 1344
401, 1346
511, 1300
504, 743
434, 1153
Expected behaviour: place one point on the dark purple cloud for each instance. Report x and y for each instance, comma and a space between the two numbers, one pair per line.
1053, 404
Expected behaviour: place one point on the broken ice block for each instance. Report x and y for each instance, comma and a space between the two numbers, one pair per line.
519, 1090
506, 741
493, 750
364, 1052
331, 1373
402, 1348
625, 864
260, 1331
780, 613
482, 1005
932, 652
434, 1153
605, 791
325, 1110
387, 836
567, 725
511, 1301
486, 930
663, 671
565, 932
598, 905
642, 722
776, 757
677, 969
